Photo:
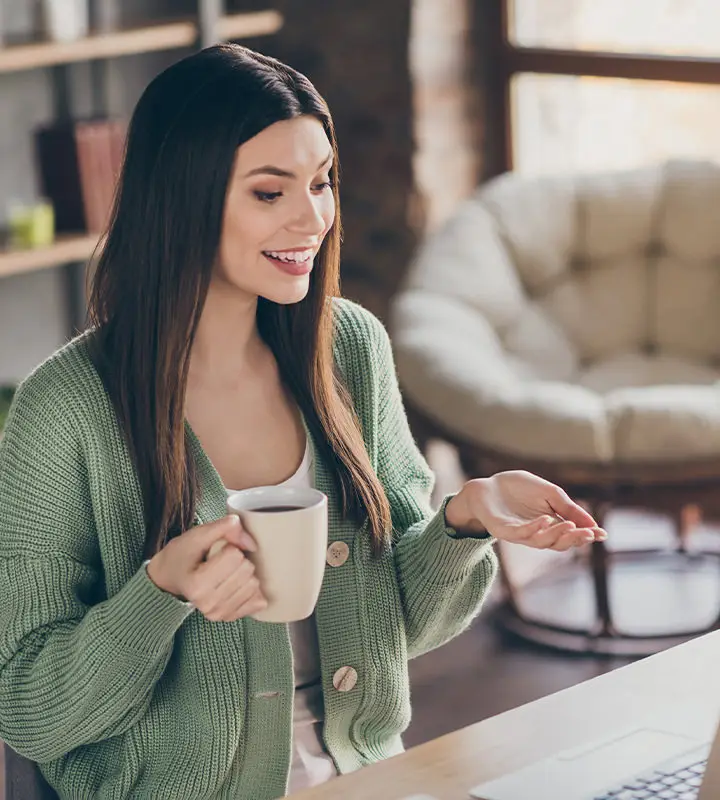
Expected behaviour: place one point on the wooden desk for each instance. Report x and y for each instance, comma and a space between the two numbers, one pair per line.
449, 766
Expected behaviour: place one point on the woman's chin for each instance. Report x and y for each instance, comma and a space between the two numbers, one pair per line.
287, 295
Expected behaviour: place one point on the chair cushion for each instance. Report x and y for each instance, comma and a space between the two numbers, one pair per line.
630, 408
637, 370
459, 374
572, 318
665, 423
602, 310
450, 265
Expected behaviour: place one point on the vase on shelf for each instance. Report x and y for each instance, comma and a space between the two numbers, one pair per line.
104, 15
31, 224
64, 20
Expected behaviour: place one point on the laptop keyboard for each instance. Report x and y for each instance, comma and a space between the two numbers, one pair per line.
678, 782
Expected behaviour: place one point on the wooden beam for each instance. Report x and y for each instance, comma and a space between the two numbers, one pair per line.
489, 25
611, 65
247, 25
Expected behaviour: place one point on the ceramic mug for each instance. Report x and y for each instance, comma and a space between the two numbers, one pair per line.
290, 527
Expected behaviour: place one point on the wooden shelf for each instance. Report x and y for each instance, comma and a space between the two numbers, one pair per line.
162, 36
65, 250
247, 25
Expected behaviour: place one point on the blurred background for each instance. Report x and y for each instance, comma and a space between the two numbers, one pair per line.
530, 196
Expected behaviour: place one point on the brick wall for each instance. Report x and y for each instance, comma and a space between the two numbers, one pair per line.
397, 78
357, 56
447, 104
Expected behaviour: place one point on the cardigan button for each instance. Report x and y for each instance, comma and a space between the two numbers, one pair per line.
337, 554
345, 679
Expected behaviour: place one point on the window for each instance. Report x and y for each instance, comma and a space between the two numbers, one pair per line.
663, 27
589, 85
563, 123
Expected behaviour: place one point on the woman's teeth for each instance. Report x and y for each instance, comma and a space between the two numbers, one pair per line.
290, 256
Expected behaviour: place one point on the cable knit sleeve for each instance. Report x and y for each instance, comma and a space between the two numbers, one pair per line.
443, 578
75, 666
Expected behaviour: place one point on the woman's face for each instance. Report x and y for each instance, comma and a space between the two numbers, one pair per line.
278, 208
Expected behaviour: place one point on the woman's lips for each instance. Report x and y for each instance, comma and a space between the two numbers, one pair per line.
295, 268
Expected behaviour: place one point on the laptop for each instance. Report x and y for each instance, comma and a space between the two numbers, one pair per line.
669, 756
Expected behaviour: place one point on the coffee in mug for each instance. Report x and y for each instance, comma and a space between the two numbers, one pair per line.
276, 509
290, 527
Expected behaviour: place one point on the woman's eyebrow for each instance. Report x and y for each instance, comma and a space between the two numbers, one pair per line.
269, 169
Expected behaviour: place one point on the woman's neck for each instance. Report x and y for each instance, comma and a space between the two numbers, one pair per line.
227, 342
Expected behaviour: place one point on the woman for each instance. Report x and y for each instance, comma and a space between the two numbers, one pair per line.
221, 358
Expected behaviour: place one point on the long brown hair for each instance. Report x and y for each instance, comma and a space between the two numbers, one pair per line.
153, 274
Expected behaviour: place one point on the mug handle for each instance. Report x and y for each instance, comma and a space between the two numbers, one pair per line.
216, 548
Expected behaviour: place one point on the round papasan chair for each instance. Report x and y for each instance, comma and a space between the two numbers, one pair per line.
571, 326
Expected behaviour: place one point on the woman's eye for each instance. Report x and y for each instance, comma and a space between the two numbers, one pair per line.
267, 197
320, 187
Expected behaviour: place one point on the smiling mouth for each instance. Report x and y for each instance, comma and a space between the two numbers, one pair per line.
291, 262
298, 257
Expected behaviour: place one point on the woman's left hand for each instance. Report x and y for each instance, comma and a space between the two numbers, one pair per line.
520, 507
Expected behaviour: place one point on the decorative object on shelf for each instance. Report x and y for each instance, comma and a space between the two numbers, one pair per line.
6, 396
104, 15
64, 20
31, 225
79, 164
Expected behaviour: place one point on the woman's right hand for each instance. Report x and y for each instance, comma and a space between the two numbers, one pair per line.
223, 587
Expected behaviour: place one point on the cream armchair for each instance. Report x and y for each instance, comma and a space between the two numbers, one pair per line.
572, 326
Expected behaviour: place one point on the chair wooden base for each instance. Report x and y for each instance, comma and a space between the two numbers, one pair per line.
649, 587
613, 645
686, 491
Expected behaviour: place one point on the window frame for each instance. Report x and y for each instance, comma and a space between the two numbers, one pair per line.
505, 59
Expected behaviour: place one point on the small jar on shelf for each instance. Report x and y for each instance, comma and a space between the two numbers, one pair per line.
63, 20
31, 225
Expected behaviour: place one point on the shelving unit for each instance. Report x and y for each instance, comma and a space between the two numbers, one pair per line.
210, 25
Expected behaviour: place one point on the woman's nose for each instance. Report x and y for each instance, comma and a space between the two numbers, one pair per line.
310, 218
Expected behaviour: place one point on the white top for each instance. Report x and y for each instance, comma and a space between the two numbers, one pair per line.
311, 764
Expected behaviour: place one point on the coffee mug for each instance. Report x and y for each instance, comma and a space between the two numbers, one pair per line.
290, 527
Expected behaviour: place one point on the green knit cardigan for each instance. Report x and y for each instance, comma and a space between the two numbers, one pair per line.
120, 690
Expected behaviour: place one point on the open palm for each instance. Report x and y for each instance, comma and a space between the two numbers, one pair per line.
517, 506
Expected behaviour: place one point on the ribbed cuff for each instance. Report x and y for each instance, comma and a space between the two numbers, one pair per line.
143, 617
186, 603
448, 555
454, 532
